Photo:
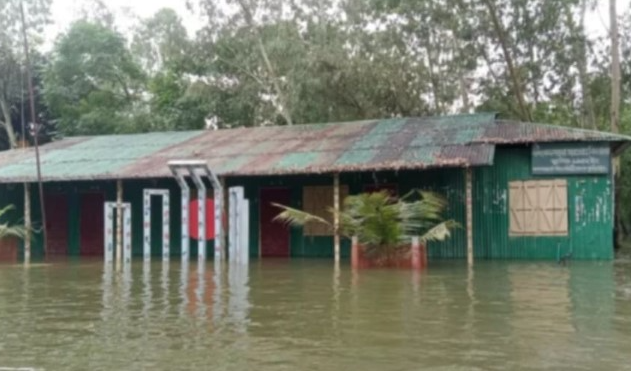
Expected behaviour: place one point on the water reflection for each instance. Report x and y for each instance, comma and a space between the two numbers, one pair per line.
311, 315
164, 283
184, 283
147, 292
238, 302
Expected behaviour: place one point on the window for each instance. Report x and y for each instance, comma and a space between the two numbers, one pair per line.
538, 208
318, 200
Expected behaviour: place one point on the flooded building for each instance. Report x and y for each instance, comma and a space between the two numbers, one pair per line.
519, 190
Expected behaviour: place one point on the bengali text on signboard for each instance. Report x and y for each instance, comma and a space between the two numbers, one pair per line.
570, 158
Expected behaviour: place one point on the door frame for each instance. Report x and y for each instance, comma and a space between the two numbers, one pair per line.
66, 196
261, 189
80, 195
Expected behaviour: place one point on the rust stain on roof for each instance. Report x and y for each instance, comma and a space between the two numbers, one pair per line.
398, 143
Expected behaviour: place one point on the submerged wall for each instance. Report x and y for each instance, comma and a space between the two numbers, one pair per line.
590, 207
449, 182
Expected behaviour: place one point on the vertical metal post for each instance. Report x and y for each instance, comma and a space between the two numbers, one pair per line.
185, 199
119, 222
232, 225
127, 238
201, 216
244, 257
27, 223
166, 224
219, 211
109, 233
469, 207
236, 232
336, 216
146, 225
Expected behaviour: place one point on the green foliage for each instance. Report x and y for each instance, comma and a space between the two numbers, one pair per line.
382, 224
93, 84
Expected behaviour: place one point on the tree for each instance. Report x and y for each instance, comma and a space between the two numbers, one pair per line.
8, 230
11, 57
161, 42
383, 225
93, 84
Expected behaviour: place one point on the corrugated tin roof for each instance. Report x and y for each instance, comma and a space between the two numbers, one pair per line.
401, 143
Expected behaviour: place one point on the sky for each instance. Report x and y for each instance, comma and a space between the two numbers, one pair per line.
65, 11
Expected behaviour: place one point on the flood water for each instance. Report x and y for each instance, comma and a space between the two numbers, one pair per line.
306, 315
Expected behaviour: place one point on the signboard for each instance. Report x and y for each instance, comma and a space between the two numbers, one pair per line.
570, 158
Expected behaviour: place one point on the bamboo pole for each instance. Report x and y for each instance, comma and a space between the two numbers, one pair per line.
469, 206
119, 222
36, 129
336, 216
27, 223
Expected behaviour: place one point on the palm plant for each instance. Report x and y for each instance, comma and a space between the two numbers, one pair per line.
384, 225
8, 230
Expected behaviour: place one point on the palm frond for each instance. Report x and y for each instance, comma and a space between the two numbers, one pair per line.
439, 232
7, 230
295, 217
6, 209
12, 231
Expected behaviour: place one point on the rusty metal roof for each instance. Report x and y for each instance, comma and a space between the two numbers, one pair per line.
401, 143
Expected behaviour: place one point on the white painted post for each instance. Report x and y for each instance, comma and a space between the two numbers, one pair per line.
119, 222
236, 228
125, 243
127, 239
201, 215
166, 225
336, 216
469, 211
146, 226
197, 170
218, 195
245, 232
185, 199
164, 194
109, 233
27, 223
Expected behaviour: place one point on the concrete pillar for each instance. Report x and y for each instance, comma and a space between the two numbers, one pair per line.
469, 207
336, 216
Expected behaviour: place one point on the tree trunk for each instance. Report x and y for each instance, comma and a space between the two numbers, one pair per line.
283, 104
615, 68
514, 75
615, 113
8, 127
588, 103
464, 91
435, 84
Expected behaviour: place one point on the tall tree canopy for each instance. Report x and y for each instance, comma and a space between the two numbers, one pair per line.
94, 85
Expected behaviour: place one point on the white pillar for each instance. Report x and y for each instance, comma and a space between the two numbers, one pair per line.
109, 233
336, 216
27, 223
469, 207
201, 216
119, 222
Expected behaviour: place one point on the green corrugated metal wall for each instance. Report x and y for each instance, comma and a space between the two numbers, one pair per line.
449, 182
590, 208
590, 213
133, 192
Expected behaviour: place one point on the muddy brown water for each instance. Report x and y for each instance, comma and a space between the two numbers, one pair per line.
306, 315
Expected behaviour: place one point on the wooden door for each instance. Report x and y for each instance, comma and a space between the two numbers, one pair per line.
91, 225
57, 214
274, 234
